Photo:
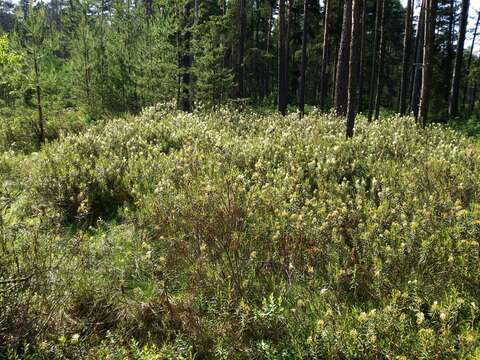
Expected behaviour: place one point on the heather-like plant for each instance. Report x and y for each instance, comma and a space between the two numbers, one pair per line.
246, 235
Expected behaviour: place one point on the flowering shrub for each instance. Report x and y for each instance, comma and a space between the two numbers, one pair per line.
87, 175
266, 236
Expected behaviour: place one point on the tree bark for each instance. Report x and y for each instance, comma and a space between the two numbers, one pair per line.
287, 45
430, 20
303, 66
186, 61
241, 50
407, 45
362, 56
417, 69
373, 75
447, 73
379, 85
325, 55
341, 88
458, 68
469, 62
269, 39
282, 61
223, 7
354, 64
148, 9
334, 75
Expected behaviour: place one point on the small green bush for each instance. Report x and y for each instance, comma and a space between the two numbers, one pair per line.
19, 128
85, 176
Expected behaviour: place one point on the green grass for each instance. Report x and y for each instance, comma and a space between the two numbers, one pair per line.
242, 235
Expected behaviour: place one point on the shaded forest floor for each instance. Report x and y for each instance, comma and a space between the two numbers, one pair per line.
239, 235
469, 127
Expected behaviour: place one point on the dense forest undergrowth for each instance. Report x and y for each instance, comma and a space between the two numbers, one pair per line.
201, 228
232, 234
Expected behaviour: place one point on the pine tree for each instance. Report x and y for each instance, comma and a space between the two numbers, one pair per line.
469, 61
301, 100
406, 57
430, 19
362, 56
241, 49
325, 54
186, 60
341, 87
375, 65
268, 46
354, 65
458, 68
450, 54
213, 79
381, 59
82, 57
282, 61
36, 43
417, 69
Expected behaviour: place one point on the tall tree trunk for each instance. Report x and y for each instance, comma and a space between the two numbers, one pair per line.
194, 52
303, 66
325, 55
430, 21
186, 61
259, 74
354, 64
362, 56
148, 9
334, 75
407, 45
269, 39
447, 73
287, 40
458, 68
417, 69
341, 88
381, 56
223, 7
241, 50
374, 71
282, 61
469, 62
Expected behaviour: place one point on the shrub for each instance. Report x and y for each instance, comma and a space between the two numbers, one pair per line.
85, 176
242, 235
18, 129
